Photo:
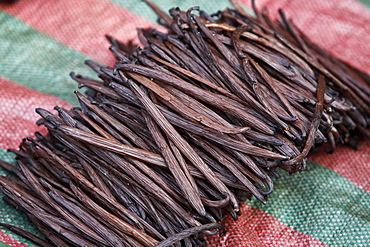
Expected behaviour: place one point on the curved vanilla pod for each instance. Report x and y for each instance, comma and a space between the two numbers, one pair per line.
315, 122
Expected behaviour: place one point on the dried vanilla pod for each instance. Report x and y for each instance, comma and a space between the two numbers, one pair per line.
170, 140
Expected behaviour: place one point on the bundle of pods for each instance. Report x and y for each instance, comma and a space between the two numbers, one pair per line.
181, 130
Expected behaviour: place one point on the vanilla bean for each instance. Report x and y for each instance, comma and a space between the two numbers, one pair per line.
184, 109
315, 123
203, 95
183, 146
183, 128
187, 186
188, 232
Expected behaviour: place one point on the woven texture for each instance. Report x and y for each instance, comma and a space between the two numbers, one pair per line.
42, 41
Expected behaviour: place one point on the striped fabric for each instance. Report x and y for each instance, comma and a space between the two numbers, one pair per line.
42, 41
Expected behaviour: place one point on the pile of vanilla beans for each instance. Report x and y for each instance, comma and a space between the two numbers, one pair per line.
172, 138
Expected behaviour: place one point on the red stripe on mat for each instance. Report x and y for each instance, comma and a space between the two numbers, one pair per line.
62, 21
341, 27
10, 241
352, 164
18, 118
257, 228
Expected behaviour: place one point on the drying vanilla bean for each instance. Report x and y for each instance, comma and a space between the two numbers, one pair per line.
168, 141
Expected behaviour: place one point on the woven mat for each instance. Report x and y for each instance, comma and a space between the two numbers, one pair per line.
42, 41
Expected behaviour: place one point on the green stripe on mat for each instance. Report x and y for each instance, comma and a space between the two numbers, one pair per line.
365, 2
4, 244
322, 204
141, 8
37, 61
12, 216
